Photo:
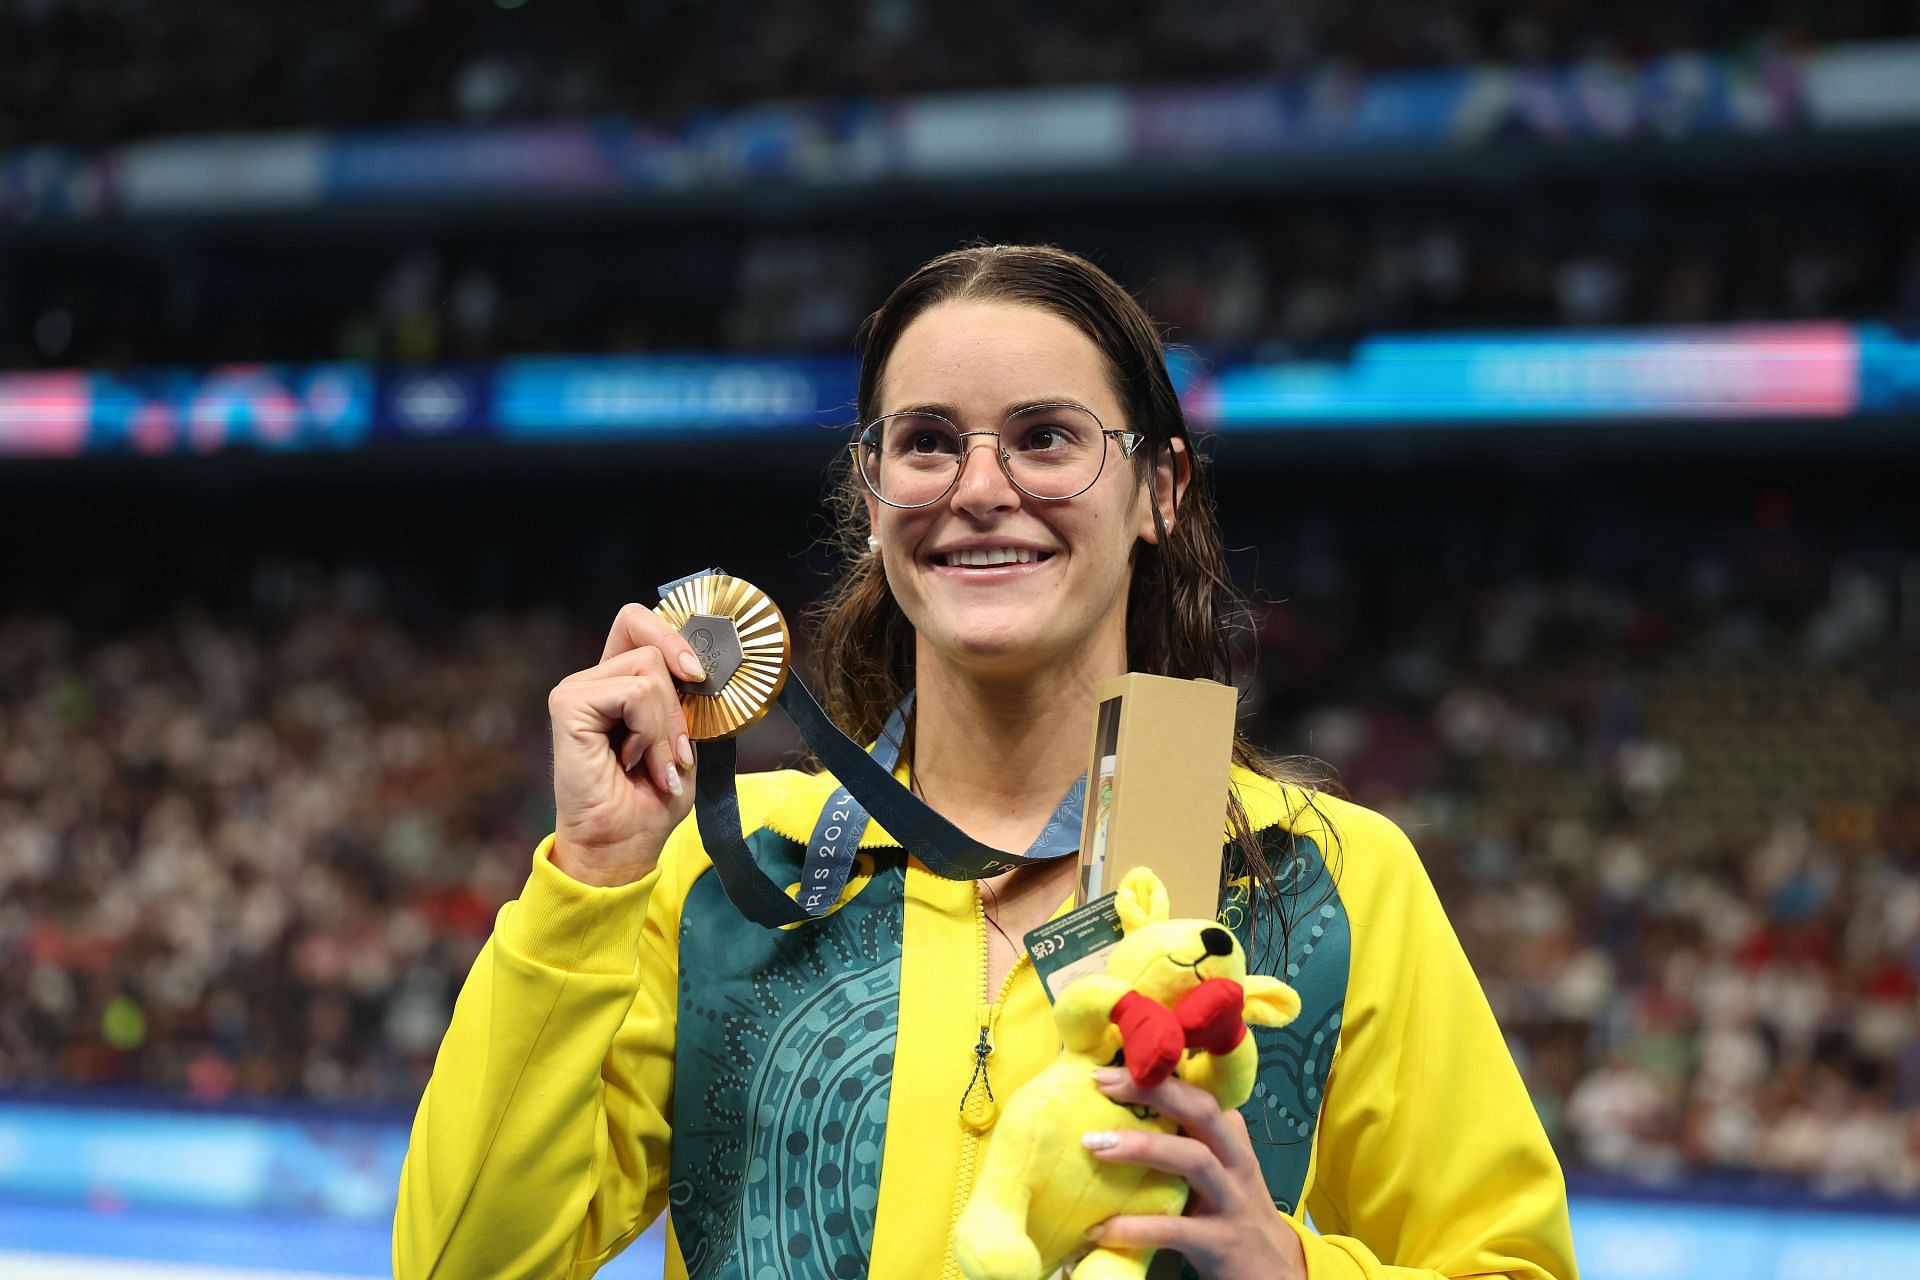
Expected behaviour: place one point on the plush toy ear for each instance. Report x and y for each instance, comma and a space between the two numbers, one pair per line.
1141, 900
1269, 1001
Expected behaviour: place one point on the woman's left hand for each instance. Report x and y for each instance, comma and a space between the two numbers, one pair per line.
1230, 1229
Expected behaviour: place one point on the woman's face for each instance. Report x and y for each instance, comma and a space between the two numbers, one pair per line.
972, 361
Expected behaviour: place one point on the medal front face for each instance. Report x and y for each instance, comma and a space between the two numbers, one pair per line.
741, 639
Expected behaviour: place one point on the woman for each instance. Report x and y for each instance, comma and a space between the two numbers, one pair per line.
813, 1101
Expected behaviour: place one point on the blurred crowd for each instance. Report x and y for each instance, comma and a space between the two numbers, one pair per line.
94, 71
1266, 283
1314, 285
1680, 839
251, 860
252, 853
1272, 275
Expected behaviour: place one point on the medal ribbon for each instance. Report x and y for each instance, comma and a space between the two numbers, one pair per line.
867, 788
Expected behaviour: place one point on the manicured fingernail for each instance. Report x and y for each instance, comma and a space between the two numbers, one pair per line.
1096, 1231
1099, 1140
1107, 1077
673, 780
691, 666
684, 750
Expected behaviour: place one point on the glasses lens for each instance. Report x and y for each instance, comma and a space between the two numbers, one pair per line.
1054, 451
909, 458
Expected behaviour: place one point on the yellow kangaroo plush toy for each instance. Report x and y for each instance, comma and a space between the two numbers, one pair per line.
1039, 1188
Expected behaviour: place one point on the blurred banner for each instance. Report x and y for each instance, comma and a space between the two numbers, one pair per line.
1823, 371
304, 1161
290, 407
45, 414
1758, 93
1748, 372
314, 1189
1771, 371
591, 395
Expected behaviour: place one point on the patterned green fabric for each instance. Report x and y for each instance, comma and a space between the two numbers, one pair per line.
783, 1064
1307, 944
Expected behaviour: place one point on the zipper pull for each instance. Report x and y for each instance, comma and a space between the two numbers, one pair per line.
978, 1107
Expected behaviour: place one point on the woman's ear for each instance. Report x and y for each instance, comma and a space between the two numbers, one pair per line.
1172, 469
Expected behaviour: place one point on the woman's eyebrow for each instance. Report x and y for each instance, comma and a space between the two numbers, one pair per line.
1048, 402
937, 410
952, 414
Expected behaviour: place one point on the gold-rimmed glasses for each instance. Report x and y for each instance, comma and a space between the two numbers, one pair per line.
1050, 452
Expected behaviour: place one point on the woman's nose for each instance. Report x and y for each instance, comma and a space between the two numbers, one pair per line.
983, 486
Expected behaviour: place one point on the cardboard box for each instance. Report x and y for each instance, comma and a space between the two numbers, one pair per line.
1157, 798
1157, 787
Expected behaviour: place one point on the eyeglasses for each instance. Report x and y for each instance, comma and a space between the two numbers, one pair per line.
1050, 452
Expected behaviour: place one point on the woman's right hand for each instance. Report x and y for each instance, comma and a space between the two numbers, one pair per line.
613, 813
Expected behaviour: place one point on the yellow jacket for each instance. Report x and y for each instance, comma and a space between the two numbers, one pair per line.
800, 1098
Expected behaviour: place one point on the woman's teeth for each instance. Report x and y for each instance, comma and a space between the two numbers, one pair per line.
980, 556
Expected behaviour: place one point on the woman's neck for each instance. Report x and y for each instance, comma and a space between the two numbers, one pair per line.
995, 754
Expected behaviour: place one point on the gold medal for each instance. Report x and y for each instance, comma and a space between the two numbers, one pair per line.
741, 639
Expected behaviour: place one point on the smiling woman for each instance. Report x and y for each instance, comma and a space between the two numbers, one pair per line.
809, 1100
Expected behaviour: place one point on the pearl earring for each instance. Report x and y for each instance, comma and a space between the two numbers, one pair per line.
873, 543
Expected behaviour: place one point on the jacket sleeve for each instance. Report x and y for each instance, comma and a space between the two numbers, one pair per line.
540, 1146
1431, 1159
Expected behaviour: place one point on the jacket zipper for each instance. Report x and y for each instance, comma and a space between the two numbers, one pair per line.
979, 1099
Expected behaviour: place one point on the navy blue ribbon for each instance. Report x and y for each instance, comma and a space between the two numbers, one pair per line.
843, 820
867, 789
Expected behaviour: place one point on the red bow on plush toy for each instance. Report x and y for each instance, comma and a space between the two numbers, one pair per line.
1153, 1036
